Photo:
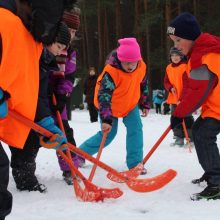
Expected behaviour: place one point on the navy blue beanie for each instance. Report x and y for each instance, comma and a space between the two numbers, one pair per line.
185, 26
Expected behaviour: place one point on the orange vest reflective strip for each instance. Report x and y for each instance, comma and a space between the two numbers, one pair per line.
127, 88
19, 75
175, 75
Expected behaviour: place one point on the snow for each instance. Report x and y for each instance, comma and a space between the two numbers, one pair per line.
171, 202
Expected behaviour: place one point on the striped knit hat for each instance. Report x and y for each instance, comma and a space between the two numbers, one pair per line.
72, 18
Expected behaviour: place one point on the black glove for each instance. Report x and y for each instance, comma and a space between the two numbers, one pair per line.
61, 102
174, 121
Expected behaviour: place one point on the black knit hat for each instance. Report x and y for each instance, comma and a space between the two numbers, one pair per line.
63, 34
185, 26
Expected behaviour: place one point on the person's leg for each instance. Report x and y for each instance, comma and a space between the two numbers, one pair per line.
70, 137
134, 138
5, 195
23, 164
177, 131
91, 145
205, 133
94, 113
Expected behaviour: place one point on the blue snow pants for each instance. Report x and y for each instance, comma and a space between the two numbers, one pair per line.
134, 138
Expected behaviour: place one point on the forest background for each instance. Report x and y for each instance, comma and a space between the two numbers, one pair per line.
103, 22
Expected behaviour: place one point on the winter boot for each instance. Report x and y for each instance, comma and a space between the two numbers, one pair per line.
210, 192
178, 142
200, 180
144, 171
68, 177
25, 178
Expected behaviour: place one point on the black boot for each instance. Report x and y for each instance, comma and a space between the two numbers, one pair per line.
212, 191
25, 178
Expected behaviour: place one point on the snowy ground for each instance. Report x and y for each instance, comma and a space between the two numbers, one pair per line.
171, 202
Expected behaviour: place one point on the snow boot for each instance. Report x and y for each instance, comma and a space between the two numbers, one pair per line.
144, 171
178, 142
210, 192
25, 178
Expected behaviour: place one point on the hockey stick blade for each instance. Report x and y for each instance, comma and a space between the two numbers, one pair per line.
138, 185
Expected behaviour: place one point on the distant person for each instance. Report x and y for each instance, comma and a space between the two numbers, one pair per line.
158, 100
89, 91
202, 88
120, 89
173, 83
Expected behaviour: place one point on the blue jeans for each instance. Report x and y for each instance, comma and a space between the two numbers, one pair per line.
134, 138
205, 133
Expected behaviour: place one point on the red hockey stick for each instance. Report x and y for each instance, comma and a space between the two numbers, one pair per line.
91, 192
135, 172
138, 185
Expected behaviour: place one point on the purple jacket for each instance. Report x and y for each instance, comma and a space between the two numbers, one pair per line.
63, 84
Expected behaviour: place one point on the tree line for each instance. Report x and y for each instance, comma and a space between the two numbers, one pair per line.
103, 22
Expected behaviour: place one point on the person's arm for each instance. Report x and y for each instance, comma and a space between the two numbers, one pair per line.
144, 101
196, 90
106, 89
167, 84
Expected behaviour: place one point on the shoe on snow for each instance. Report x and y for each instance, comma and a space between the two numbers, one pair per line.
68, 177
210, 192
178, 142
198, 181
38, 187
144, 171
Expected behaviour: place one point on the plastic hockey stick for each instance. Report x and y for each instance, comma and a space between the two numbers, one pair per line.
79, 192
136, 171
138, 185
91, 192
92, 173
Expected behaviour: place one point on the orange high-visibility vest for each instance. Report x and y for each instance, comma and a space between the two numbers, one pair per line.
127, 88
19, 76
175, 75
211, 107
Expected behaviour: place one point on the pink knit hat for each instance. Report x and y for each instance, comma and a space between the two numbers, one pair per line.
128, 50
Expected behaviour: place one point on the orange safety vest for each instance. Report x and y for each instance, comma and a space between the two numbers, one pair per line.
127, 88
211, 107
175, 75
19, 76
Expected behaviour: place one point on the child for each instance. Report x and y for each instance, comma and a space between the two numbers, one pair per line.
120, 88
174, 85
158, 100
61, 85
23, 162
202, 88
89, 90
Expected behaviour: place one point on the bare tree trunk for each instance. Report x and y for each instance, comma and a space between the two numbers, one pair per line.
100, 36
137, 18
118, 19
84, 38
105, 37
167, 21
147, 31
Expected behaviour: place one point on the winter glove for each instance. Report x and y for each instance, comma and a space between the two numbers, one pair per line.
3, 103
57, 139
174, 121
61, 102
56, 142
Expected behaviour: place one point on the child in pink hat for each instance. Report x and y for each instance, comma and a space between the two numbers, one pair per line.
120, 89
